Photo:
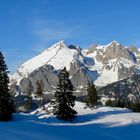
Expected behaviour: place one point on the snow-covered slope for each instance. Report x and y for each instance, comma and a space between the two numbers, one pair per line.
104, 123
58, 55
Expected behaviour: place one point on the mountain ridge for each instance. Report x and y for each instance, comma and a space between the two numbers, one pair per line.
102, 64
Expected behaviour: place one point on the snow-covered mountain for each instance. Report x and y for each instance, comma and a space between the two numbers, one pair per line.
58, 55
104, 64
46, 65
113, 62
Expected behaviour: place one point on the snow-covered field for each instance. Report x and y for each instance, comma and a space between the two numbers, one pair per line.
104, 123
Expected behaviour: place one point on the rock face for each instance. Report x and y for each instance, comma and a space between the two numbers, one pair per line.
102, 64
114, 62
114, 50
78, 73
45, 73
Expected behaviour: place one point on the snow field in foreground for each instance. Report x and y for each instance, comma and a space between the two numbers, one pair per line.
104, 123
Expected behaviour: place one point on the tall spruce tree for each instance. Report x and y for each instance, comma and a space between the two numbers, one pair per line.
6, 104
92, 96
64, 100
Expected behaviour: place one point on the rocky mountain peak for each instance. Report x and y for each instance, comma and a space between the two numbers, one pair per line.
114, 44
113, 50
58, 45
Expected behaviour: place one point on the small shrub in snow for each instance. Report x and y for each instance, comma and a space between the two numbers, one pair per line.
110, 103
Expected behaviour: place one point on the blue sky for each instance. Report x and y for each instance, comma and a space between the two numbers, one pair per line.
29, 26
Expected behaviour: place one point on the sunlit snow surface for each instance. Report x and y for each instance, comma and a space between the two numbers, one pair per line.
104, 123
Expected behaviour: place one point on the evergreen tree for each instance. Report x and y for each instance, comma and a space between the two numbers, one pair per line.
6, 104
135, 106
64, 100
121, 103
4, 79
28, 105
40, 88
92, 96
40, 91
111, 103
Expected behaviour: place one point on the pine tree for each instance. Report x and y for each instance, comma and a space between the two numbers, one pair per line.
40, 88
135, 106
4, 79
92, 96
40, 91
28, 104
111, 103
6, 103
64, 100
120, 103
